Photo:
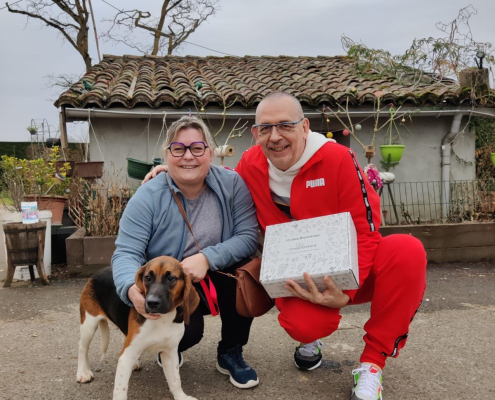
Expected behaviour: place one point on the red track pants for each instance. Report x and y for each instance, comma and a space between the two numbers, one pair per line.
395, 288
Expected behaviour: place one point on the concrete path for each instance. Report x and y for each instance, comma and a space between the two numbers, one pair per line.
450, 353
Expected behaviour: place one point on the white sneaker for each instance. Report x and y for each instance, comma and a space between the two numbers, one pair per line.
308, 355
367, 383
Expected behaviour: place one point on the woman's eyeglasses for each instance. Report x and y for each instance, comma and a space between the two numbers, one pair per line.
283, 128
178, 149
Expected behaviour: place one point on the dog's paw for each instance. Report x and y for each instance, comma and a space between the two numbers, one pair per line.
84, 376
136, 367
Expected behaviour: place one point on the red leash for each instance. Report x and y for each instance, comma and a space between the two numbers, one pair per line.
211, 295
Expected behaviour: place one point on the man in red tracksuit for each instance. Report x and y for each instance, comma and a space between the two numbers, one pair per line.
293, 174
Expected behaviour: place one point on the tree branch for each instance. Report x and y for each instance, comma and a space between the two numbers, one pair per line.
76, 32
188, 15
48, 22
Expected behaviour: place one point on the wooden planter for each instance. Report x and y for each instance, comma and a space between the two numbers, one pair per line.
55, 204
25, 246
60, 164
89, 170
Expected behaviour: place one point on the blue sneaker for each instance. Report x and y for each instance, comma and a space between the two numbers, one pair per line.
241, 374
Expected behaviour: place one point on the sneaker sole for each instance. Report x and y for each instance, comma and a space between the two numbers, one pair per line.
247, 385
308, 369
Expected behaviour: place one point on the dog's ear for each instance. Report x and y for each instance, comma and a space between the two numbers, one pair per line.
140, 278
191, 298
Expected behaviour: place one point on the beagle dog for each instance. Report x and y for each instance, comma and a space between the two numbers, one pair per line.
168, 291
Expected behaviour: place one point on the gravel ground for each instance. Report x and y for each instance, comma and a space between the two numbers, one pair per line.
449, 355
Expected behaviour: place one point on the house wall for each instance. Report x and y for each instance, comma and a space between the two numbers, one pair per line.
421, 162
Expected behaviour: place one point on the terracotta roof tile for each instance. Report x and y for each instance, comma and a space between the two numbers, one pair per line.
171, 81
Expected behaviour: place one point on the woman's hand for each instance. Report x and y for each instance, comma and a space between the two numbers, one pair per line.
154, 172
196, 266
332, 297
136, 296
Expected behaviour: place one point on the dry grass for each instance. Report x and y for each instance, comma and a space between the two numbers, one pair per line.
98, 206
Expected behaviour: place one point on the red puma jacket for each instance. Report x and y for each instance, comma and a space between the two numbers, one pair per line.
330, 182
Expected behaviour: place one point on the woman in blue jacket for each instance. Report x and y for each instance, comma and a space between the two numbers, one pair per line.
221, 212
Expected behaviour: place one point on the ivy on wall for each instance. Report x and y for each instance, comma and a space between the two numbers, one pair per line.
484, 129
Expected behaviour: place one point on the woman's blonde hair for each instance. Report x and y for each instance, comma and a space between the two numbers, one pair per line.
186, 123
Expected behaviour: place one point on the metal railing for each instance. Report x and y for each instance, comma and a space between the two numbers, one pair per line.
437, 203
406, 203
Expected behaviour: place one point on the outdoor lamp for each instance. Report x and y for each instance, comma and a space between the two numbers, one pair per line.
480, 54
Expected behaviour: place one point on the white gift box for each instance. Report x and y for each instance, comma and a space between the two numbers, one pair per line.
319, 246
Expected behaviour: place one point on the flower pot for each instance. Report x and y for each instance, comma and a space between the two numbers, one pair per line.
55, 204
493, 159
394, 150
60, 164
50, 142
89, 169
138, 169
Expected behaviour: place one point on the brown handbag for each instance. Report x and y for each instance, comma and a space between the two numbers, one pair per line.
252, 300
251, 297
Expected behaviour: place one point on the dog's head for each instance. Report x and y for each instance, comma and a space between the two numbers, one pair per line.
166, 286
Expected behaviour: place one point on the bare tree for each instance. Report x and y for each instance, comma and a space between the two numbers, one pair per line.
178, 19
69, 17
440, 59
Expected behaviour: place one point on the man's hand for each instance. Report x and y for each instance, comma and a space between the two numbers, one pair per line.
136, 296
196, 266
332, 297
154, 172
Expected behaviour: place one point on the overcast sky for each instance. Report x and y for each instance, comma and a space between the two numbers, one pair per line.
31, 52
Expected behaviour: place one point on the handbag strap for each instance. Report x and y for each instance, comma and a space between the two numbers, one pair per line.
210, 292
260, 248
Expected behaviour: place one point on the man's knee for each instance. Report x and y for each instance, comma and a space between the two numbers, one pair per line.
404, 253
306, 322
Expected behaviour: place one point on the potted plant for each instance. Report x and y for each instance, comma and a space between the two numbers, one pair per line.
32, 130
393, 148
38, 180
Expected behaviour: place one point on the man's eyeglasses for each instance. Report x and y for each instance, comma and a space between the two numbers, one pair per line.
283, 128
178, 149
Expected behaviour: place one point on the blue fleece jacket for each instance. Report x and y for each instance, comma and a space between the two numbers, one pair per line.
152, 226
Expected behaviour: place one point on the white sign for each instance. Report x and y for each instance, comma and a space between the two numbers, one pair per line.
29, 211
